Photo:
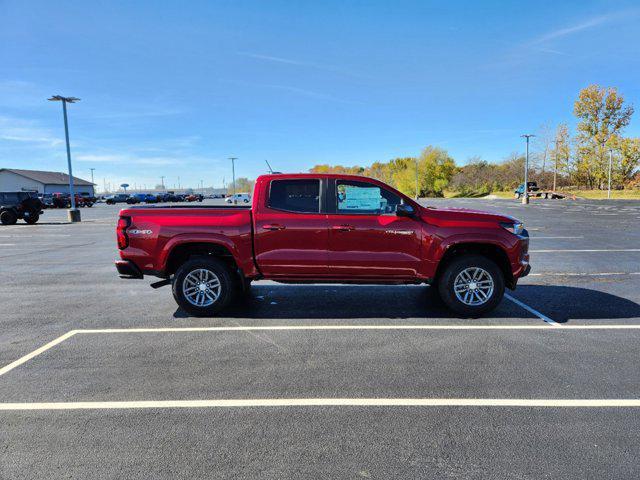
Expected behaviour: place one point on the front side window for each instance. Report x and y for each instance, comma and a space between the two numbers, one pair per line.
302, 196
364, 197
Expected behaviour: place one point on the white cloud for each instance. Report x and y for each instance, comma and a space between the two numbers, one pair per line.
128, 159
24, 131
587, 24
298, 63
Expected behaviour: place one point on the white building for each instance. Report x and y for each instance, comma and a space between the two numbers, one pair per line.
13, 179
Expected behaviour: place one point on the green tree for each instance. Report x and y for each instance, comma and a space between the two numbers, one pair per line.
435, 169
602, 116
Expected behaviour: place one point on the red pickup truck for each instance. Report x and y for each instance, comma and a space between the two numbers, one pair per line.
315, 228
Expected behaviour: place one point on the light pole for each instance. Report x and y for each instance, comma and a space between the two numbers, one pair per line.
73, 213
610, 164
525, 199
92, 169
416, 179
555, 168
233, 174
162, 181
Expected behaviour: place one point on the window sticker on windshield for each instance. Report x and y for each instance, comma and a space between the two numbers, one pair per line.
357, 198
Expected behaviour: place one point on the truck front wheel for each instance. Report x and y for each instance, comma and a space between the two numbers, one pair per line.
32, 218
471, 285
203, 286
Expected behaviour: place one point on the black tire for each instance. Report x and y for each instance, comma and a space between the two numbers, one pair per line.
517, 195
228, 287
451, 272
8, 217
32, 219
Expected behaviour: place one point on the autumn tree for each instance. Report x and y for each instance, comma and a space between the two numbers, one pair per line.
561, 152
602, 116
627, 159
243, 185
434, 167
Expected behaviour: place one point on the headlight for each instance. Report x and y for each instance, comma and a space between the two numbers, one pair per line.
515, 228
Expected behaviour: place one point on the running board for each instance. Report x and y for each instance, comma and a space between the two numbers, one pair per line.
161, 283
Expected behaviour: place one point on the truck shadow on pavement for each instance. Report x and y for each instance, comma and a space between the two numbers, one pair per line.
563, 303
560, 303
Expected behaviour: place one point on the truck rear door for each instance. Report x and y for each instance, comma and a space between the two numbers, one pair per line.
291, 231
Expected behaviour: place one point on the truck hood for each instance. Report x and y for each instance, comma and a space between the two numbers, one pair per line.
446, 216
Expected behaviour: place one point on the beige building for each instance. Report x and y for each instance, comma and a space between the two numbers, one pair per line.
13, 179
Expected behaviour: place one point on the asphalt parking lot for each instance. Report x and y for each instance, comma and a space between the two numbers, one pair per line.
323, 381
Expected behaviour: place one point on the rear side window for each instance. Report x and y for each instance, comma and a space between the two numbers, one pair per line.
302, 196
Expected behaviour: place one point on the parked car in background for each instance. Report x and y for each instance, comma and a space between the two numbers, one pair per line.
142, 198
61, 200
16, 206
194, 197
239, 198
87, 199
46, 199
519, 192
117, 198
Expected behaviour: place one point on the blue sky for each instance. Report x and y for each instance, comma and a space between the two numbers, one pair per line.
175, 88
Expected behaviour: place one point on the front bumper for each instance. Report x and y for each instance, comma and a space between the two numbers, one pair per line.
128, 269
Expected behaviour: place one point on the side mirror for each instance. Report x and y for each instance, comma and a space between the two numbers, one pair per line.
405, 210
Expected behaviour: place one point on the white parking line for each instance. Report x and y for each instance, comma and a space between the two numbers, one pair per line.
532, 310
578, 274
36, 352
551, 325
332, 402
588, 250
553, 238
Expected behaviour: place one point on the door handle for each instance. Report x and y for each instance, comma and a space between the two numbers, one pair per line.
273, 226
343, 228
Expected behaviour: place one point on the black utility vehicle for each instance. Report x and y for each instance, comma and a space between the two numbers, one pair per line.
19, 205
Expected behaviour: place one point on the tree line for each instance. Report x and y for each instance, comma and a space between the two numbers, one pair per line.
560, 158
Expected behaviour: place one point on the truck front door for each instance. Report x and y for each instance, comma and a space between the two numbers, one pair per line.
366, 237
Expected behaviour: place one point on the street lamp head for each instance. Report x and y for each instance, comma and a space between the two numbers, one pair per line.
60, 98
527, 135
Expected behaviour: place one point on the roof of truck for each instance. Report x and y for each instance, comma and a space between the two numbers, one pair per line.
316, 175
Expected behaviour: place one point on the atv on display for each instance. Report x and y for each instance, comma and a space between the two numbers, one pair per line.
16, 206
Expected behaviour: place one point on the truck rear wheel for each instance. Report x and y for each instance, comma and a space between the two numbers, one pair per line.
203, 286
8, 217
471, 285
